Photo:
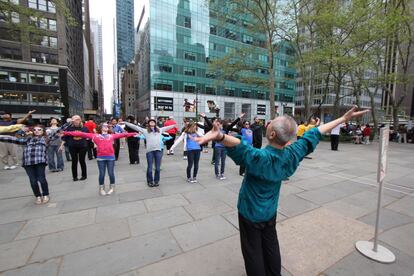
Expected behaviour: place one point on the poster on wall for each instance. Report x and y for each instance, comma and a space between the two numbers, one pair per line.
212, 107
190, 105
164, 103
261, 109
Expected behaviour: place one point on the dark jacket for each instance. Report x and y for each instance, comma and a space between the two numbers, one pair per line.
257, 134
76, 142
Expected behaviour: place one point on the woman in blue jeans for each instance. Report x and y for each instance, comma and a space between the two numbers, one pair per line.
153, 137
54, 147
34, 160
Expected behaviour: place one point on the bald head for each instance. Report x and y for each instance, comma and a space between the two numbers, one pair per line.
281, 130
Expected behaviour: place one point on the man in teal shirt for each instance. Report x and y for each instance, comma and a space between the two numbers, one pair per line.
259, 193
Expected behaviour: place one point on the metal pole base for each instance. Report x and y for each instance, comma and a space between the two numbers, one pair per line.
383, 255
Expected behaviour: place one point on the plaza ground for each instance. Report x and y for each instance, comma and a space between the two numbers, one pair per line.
191, 229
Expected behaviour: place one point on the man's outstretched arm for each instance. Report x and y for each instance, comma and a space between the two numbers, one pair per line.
350, 114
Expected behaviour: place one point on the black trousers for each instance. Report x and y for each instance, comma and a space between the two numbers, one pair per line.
91, 150
170, 142
78, 154
117, 145
260, 247
334, 142
133, 150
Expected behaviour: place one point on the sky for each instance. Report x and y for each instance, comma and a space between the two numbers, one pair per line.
105, 11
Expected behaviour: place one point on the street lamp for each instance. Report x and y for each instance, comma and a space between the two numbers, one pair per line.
196, 103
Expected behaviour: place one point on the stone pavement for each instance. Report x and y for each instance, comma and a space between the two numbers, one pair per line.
191, 229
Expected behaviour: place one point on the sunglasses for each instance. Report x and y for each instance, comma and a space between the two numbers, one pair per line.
37, 129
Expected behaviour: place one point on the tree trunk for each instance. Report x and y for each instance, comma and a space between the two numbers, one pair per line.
373, 113
395, 119
337, 89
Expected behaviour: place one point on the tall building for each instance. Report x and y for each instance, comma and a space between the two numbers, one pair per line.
125, 35
176, 44
42, 71
96, 37
129, 87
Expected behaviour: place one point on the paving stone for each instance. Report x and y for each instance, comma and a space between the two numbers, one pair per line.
288, 189
404, 206
400, 237
121, 256
158, 220
140, 195
312, 242
88, 203
211, 193
165, 202
389, 219
406, 181
223, 258
122, 210
48, 268
292, 205
51, 224
356, 264
30, 212
317, 182
16, 253
9, 231
202, 232
79, 238
15, 203
207, 208
179, 187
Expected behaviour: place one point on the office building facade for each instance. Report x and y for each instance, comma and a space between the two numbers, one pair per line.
177, 43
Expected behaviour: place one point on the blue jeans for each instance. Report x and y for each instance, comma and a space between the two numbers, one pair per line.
36, 174
51, 152
153, 156
193, 158
219, 158
102, 166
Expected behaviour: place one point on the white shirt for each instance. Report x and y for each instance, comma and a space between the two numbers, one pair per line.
336, 130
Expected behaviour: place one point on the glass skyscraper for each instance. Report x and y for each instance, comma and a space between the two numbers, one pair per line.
177, 43
125, 35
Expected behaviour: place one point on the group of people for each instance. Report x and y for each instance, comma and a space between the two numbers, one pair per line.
264, 168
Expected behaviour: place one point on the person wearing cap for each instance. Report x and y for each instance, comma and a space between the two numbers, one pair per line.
153, 137
259, 193
172, 132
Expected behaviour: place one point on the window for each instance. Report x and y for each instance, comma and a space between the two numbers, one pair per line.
8, 34
42, 5
187, 39
229, 92
246, 93
189, 71
43, 23
10, 53
210, 90
230, 34
48, 41
164, 68
260, 95
187, 22
213, 29
247, 39
189, 56
263, 58
189, 87
229, 111
44, 58
247, 110
4, 76
163, 86
211, 75
228, 49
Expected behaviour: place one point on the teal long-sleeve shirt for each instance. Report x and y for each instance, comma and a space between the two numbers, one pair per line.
265, 170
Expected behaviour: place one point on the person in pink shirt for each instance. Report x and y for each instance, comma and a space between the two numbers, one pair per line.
172, 132
104, 141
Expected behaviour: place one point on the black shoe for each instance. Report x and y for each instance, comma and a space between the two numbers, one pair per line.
75, 179
156, 184
83, 178
150, 184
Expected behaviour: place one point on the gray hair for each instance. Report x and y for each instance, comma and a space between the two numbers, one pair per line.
285, 128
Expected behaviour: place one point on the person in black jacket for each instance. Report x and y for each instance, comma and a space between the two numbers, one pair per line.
133, 143
78, 147
257, 129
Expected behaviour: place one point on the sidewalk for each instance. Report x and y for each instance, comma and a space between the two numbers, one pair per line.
191, 229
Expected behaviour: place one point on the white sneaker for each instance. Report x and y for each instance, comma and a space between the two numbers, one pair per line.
46, 199
38, 200
189, 180
222, 177
194, 180
185, 158
12, 167
111, 189
7, 167
102, 191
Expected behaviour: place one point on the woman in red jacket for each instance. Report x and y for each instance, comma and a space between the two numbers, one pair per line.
104, 141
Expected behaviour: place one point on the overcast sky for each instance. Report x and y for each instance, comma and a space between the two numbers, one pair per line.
105, 11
